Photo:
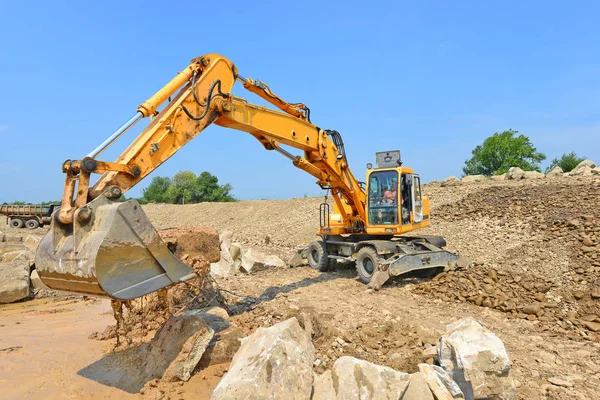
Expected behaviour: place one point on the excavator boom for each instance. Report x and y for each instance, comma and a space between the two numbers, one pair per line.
100, 245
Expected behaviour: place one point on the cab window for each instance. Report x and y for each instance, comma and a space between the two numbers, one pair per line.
383, 198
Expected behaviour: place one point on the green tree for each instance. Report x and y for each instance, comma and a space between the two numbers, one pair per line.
156, 192
567, 162
208, 189
501, 151
183, 188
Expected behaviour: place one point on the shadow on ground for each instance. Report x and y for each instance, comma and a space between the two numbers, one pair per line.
123, 370
249, 302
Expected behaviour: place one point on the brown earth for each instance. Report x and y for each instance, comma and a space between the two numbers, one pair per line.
535, 283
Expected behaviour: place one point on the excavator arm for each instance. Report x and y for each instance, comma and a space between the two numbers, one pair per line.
100, 245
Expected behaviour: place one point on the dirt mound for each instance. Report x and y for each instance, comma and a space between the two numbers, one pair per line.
193, 244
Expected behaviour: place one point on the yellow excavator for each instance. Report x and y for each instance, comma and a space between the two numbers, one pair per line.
98, 244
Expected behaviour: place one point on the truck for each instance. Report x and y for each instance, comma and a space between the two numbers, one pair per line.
28, 216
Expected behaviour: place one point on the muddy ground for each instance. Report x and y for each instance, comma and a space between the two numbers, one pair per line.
536, 249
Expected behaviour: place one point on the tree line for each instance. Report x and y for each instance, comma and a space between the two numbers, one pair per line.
185, 188
504, 150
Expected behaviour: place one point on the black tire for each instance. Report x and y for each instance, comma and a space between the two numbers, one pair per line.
16, 223
317, 256
366, 263
32, 224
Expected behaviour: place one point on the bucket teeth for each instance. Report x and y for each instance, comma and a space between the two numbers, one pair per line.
116, 252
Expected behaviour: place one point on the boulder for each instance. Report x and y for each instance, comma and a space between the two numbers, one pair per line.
172, 355
14, 281
222, 269
17, 255
555, 172
252, 261
13, 238
32, 242
584, 170
36, 282
441, 384
227, 339
235, 250
477, 360
473, 178
184, 336
225, 241
418, 389
323, 387
515, 173
533, 175
354, 379
223, 346
451, 181
498, 177
272, 363
272, 261
596, 171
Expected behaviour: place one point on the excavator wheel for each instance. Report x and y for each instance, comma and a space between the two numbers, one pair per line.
317, 256
366, 263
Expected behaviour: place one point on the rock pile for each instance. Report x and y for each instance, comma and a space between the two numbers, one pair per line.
276, 362
233, 260
16, 267
550, 270
585, 168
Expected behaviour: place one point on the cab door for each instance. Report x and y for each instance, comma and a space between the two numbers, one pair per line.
417, 199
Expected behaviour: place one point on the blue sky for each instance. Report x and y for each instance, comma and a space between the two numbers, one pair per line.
432, 79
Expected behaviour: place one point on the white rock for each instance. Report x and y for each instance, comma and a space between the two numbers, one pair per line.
323, 387
359, 379
32, 242
515, 173
498, 177
555, 172
272, 363
596, 171
272, 261
477, 360
235, 250
473, 178
533, 175
14, 281
225, 240
252, 261
440, 383
222, 269
418, 389
17, 255
186, 336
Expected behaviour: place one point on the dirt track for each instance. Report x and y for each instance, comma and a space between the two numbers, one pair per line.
524, 231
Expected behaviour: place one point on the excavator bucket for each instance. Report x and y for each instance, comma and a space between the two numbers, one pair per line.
110, 249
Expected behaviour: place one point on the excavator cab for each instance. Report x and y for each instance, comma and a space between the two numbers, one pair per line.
395, 202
